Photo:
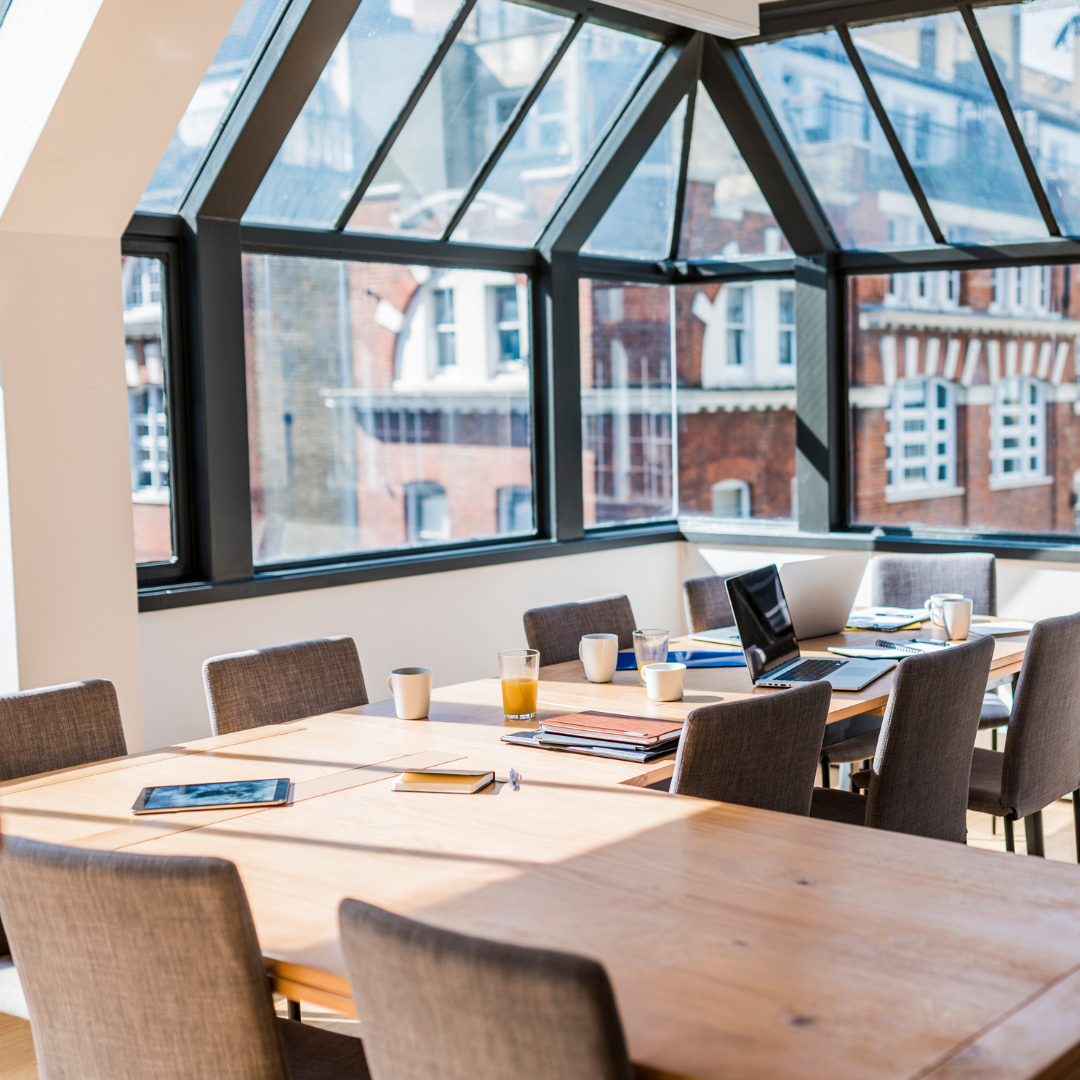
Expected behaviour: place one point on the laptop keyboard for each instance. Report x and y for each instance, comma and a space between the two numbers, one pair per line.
810, 670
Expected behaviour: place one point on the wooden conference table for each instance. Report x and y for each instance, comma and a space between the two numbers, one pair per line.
741, 943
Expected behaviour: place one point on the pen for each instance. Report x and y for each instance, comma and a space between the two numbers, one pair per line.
515, 776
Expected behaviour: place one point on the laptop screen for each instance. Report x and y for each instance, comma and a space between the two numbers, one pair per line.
764, 622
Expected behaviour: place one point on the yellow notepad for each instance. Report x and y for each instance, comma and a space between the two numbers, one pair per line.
455, 781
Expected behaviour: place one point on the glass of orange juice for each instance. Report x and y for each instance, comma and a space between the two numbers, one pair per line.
519, 670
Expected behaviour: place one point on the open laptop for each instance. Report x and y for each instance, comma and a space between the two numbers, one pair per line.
769, 643
819, 594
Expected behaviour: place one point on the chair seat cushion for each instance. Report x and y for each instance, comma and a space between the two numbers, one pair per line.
833, 805
12, 1000
316, 1054
858, 748
984, 792
995, 712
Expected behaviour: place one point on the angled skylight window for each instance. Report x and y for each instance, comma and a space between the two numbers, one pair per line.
1034, 49
819, 102
638, 223
583, 96
935, 93
210, 106
724, 216
365, 85
499, 53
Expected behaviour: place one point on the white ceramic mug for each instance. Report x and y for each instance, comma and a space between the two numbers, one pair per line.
933, 606
411, 687
599, 653
957, 617
663, 682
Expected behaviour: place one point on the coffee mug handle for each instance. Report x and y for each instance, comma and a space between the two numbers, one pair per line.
929, 606
579, 656
388, 686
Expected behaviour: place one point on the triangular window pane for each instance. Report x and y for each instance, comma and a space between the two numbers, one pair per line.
725, 216
587, 89
498, 55
211, 104
363, 88
935, 92
637, 224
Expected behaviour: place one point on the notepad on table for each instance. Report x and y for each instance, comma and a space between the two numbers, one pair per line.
613, 727
994, 629
886, 618
445, 781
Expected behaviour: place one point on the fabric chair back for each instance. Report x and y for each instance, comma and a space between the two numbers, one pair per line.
761, 751
59, 727
138, 966
1042, 751
706, 602
273, 686
910, 580
555, 631
921, 772
436, 1005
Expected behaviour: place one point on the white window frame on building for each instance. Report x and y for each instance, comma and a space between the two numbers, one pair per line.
504, 326
731, 495
445, 332
785, 319
739, 346
1018, 433
921, 441
425, 506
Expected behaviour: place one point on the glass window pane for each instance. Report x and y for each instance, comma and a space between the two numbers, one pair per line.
384, 410
935, 92
1034, 49
819, 103
359, 95
142, 282
724, 213
211, 104
626, 402
637, 224
735, 365
496, 58
961, 391
585, 93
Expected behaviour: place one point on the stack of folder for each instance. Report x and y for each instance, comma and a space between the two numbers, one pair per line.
628, 738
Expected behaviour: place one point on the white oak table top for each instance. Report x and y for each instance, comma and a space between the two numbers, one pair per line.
741, 943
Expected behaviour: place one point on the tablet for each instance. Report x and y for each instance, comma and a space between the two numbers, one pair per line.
230, 795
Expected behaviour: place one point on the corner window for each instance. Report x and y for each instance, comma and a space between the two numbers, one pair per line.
1017, 433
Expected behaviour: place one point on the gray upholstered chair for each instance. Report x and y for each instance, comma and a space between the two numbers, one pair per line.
140, 966
437, 1005
706, 602
918, 782
556, 631
760, 751
1041, 760
289, 682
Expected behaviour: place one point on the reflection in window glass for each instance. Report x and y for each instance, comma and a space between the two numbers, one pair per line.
142, 282
725, 216
819, 103
1034, 50
382, 410
364, 86
637, 224
585, 93
961, 391
496, 58
210, 106
935, 93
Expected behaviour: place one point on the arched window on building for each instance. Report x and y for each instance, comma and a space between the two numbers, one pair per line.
731, 499
427, 518
920, 440
1017, 432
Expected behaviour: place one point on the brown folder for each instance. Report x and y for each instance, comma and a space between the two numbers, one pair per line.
613, 727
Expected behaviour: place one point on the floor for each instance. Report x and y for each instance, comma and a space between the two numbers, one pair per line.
17, 1051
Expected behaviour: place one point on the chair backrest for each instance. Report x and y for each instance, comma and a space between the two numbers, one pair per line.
760, 751
555, 631
1042, 751
706, 602
138, 966
436, 1005
922, 769
59, 727
910, 580
288, 682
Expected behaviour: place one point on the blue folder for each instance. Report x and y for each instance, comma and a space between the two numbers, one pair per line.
689, 657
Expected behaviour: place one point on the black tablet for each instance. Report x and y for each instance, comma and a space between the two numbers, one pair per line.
232, 794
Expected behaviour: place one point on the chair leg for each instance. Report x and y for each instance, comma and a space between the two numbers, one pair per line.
1010, 843
1076, 821
826, 780
1033, 830
294, 1010
993, 738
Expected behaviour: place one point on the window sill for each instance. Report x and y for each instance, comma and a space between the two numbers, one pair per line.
921, 496
1003, 484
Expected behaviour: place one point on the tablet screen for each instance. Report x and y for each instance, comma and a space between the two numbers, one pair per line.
195, 796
